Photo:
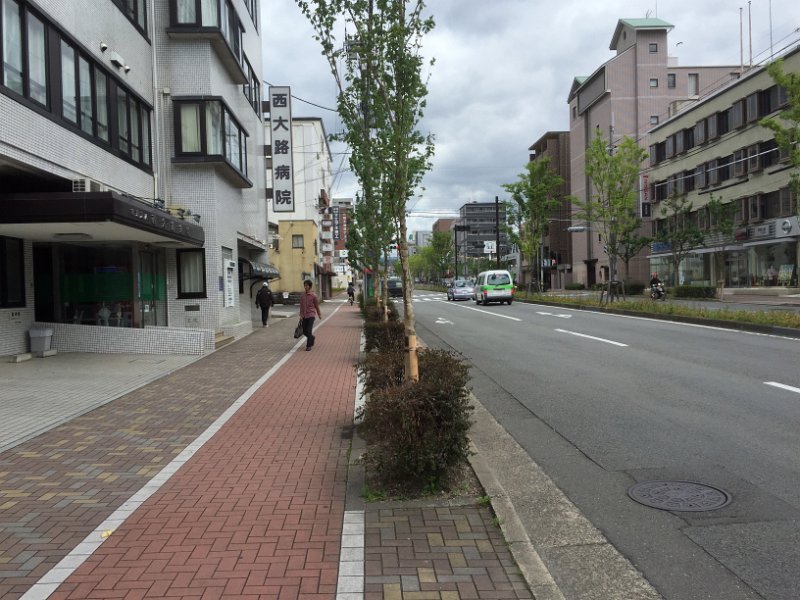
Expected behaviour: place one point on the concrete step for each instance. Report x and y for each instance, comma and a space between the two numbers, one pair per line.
220, 339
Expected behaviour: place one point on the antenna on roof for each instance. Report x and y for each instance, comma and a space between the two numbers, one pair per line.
647, 15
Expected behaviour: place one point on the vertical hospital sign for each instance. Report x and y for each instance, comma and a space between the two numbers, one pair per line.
280, 124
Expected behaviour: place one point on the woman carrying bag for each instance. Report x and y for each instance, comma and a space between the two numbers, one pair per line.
309, 309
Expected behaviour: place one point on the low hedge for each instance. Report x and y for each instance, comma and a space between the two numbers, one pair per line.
693, 291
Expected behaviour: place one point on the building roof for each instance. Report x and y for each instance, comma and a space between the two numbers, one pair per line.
637, 24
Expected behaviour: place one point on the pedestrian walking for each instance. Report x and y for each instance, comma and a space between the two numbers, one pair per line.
264, 301
309, 308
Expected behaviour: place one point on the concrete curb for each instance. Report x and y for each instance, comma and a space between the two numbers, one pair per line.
559, 552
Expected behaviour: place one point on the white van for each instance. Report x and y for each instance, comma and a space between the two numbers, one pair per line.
493, 286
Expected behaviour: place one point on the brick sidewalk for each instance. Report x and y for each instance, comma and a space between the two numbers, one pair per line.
256, 512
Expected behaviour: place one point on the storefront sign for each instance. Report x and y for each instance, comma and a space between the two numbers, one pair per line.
280, 106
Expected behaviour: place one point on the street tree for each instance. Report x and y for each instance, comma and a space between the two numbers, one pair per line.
441, 252
611, 208
722, 222
535, 196
678, 231
381, 85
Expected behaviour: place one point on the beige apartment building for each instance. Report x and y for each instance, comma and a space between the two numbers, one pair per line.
627, 96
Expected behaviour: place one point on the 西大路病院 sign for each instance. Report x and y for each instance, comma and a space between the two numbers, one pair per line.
280, 124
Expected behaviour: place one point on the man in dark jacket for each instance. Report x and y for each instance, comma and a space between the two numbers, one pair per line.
264, 301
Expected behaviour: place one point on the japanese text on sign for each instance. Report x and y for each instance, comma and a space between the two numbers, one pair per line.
281, 130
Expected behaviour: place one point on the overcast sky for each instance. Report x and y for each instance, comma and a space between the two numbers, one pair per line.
503, 72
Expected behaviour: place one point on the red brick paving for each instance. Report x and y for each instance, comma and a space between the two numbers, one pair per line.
258, 511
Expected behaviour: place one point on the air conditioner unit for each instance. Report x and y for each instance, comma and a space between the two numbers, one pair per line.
230, 264
84, 184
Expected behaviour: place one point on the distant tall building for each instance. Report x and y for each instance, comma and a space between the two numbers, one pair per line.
626, 96
443, 225
554, 145
482, 218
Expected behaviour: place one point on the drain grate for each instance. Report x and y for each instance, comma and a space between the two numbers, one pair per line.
683, 496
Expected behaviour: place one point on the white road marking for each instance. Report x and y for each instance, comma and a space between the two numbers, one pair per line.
486, 312
441, 321
547, 314
783, 386
591, 337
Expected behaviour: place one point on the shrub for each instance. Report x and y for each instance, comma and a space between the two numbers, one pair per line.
693, 291
574, 286
389, 336
417, 433
635, 288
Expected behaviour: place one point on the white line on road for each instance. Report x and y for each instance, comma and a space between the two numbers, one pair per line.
547, 314
783, 386
486, 312
591, 337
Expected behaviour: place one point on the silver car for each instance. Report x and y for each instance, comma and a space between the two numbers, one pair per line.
460, 289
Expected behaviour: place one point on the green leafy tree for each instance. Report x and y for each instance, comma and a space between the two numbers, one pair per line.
535, 196
381, 99
786, 125
678, 229
441, 252
611, 209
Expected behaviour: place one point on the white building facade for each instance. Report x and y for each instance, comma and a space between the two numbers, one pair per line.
132, 166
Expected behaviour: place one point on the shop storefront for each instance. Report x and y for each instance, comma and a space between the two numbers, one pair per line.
764, 255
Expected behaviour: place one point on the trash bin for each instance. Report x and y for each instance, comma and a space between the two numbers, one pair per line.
41, 337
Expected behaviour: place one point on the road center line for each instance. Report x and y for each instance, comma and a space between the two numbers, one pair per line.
591, 337
783, 386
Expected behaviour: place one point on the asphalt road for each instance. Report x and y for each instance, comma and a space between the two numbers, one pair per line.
601, 402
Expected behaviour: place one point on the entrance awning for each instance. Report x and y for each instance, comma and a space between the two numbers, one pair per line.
259, 270
93, 216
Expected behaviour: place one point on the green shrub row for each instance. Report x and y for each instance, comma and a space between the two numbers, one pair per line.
416, 433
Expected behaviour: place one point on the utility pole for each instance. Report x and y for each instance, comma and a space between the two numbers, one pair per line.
497, 227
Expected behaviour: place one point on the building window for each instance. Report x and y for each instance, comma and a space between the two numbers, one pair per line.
206, 127
297, 241
191, 273
653, 48
671, 81
88, 99
252, 89
37, 60
193, 15
135, 11
694, 84
653, 82
12, 273
752, 108
653, 119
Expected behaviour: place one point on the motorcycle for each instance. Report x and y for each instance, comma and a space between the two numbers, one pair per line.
657, 292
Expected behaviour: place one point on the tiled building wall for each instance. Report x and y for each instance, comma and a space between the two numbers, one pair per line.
125, 340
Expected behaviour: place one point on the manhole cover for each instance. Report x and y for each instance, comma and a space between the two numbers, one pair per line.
679, 495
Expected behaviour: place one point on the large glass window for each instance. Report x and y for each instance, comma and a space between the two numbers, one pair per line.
69, 108
12, 280
214, 127
12, 45
37, 60
208, 128
191, 273
85, 86
190, 128
101, 96
123, 129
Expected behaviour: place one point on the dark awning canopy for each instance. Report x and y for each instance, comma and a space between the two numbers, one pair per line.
93, 216
259, 270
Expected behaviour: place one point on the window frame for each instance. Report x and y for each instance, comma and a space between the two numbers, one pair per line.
672, 81
298, 241
652, 48
135, 11
7, 272
227, 119
179, 266
653, 82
